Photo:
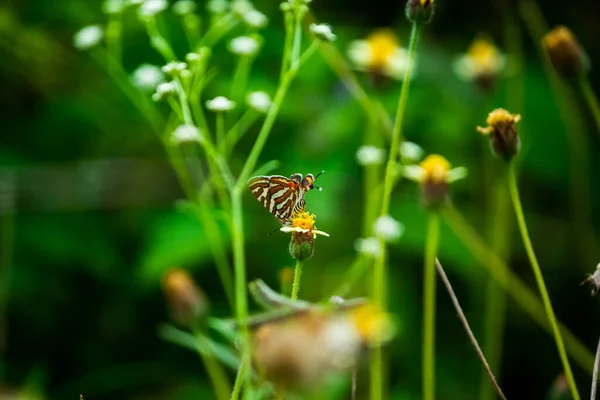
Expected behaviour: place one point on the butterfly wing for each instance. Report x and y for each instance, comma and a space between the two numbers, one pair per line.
276, 193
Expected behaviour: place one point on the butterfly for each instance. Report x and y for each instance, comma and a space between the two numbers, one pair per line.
283, 197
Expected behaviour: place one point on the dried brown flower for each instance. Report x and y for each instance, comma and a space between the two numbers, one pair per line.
504, 139
565, 53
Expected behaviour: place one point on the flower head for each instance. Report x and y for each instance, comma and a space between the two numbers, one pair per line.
186, 133
186, 301
149, 8
260, 101
434, 174
183, 7
303, 232
88, 37
220, 104
323, 32
481, 64
163, 90
244, 45
594, 280
387, 228
147, 77
306, 349
379, 53
217, 6
410, 152
255, 19
174, 68
565, 53
420, 11
113, 6
504, 139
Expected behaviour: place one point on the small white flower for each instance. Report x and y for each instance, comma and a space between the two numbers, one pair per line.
369, 246
241, 7
220, 104
192, 57
186, 133
255, 19
260, 101
244, 45
397, 64
134, 2
183, 7
323, 32
147, 77
411, 152
174, 67
370, 155
113, 6
163, 90
88, 37
482, 59
149, 8
388, 228
217, 6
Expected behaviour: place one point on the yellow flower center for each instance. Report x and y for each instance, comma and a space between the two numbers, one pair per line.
498, 121
370, 322
435, 168
303, 220
383, 43
425, 3
558, 37
483, 52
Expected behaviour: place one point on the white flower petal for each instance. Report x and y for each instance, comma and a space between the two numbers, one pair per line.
220, 104
370, 246
456, 173
360, 53
255, 19
411, 152
244, 46
149, 8
397, 64
186, 133
88, 37
323, 32
370, 155
387, 228
413, 173
260, 101
147, 77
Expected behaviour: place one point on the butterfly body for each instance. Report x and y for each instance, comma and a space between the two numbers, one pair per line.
282, 196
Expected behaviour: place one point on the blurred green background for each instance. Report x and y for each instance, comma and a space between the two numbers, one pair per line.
96, 223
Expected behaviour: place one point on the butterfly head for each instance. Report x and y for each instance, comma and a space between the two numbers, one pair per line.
308, 182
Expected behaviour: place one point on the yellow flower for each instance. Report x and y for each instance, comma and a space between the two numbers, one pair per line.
565, 53
379, 53
434, 169
303, 232
434, 174
373, 325
304, 222
482, 63
504, 139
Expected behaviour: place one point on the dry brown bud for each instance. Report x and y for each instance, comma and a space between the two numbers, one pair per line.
186, 301
504, 139
565, 53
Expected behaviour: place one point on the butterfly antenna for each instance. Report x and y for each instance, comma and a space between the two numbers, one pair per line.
319, 188
273, 231
319, 174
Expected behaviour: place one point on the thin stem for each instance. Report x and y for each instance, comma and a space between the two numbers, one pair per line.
590, 98
220, 130
595, 373
465, 323
158, 41
513, 285
191, 24
239, 379
297, 276
114, 28
429, 291
289, 41
297, 37
183, 100
215, 372
514, 192
378, 291
237, 131
354, 379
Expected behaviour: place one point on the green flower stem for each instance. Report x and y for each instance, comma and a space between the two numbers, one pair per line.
376, 367
590, 98
289, 41
216, 373
114, 29
429, 287
297, 276
240, 78
158, 41
595, 373
7, 225
220, 130
575, 132
240, 378
238, 130
513, 285
183, 101
192, 28
218, 29
514, 193
297, 37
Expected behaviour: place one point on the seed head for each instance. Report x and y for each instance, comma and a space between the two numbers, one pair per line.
567, 56
504, 139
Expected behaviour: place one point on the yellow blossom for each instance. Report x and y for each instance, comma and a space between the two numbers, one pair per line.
380, 53
503, 134
482, 62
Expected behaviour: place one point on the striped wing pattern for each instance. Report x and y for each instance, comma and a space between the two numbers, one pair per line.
280, 195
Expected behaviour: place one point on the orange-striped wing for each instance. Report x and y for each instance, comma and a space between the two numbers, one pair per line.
280, 195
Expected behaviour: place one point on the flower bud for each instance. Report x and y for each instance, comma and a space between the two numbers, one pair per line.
565, 53
420, 11
186, 301
504, 139
302, 245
